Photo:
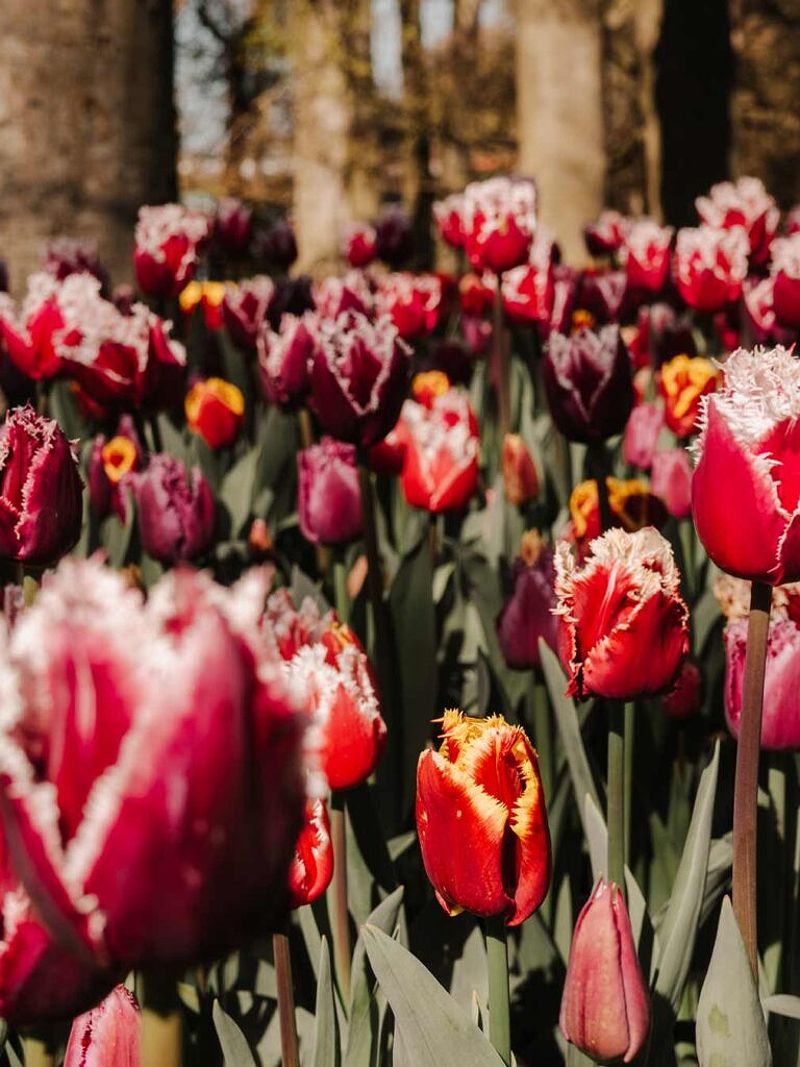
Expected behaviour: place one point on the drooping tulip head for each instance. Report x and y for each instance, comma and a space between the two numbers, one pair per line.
481, 819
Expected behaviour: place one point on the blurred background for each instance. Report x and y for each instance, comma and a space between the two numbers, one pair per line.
328, 110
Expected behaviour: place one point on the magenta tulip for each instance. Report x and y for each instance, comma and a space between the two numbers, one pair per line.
328, 494
175, 509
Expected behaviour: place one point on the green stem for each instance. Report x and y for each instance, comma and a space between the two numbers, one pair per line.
598, 467
500, 363
340, 597
337, 898
290, 1055
615, 791
628, 745
499, 1005
745, 794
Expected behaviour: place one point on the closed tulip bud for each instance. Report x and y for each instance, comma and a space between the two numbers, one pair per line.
41, 506
683, 382
646, 252
245, 309
328, 493
641, 435
481, 819
394, 237
360, 245
311, 869
527, 614
233, 225
588, 382
440, 471
175, 510
215, 411
499, 222
748, 464
411, 301
359, 377
671, 480
168, 240
110, 462
785, 271
605, 1007
746, 204
606, 235
109, 1034
284, 359
710, 266
684, 698
278, 246
780, 722
520, 480
448, 216
637, 644
632, 505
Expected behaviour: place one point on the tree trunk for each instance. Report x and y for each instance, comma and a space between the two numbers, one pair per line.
87, 124
560, 112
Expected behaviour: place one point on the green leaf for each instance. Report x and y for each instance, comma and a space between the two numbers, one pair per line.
434, 1029
678, 930
232, 1041
731, 1031
326, 1030
117, 536
236, 491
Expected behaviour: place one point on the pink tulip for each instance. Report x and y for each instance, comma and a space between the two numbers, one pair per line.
641, 434
328, 494
108, 1035
780, 725
671, 479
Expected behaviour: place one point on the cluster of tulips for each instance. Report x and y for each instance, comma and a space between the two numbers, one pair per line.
325, 601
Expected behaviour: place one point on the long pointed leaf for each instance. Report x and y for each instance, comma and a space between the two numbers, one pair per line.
232, 1041
326, 1029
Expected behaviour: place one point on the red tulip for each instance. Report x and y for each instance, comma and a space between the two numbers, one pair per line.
671, 479
74, 255
110, 462
684, 698
646, 251
440, 472
499, 219
520, 478
476, 294
175, 509
30, 337
744, 203
215, 411
328, 493
209, 297
168, 241
641, 434
335, 296
528, 293
758, 304
233, 225
152, 767
605, 1007
41, 507
245, 308
710, 266
284, 359
448, 214
359, 245
312, 864
109, 1034
388, 456
785, 271
606, 235
749, 466
683, 382
412, 302
481, 819
780, 724
623, 626
527, 614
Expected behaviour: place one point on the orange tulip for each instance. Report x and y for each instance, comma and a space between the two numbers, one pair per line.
682, 383
215, 411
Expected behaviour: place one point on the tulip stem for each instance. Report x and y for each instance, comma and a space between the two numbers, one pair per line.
598, 465
340, 598
337, 897
615, 793
745, 795
290, 1055
500, 362
628, 745
499, 1006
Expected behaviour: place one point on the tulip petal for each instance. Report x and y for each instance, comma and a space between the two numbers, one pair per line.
107, 1036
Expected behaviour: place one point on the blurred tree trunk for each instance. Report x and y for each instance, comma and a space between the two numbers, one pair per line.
87, 123
560, 112
418, 191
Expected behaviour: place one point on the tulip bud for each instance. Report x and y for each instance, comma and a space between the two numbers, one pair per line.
747, 204
175, 510
394, 238
780, 722
481, 819
637, 644
647, 257
605, 1008
606, 235
411, 301
785, 271
41, 507
476, 294
328, 493
587, 378
109, 1034
710, 266
278, 246
671, 480
684, 698
527, 614
233, 225
520, 480
168, 241
683, 383
641, 435
448, 216
245, 309
284, 359
311, 869
359, 245
260, 543
440, 471
749, 465
499, 222
215, 411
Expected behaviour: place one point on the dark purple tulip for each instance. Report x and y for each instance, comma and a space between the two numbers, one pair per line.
527, 614
284, 359
589, 386
452, 358
176, 510
601, 294
233, 225
328, 495
293, 296
245, 308
359, 378
394, 240
278, 246
41, 506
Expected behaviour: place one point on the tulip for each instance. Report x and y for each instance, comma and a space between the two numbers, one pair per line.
528, 293
710, 266
758, 304
334, 296
41, 507
785, 271
660, 335
312, 864
641, 435
233, 225
175, 510
605, 1008
448, 216
209, 297
293, 296
412, 302
606, 235
476, 294
245, 308
481, 819
109, 1034
451, 357
388, 456
168, 241
683, 382
601, 294
278, 246
588, 382
74, 255
360, 245
328, 493
499, 220
744, 203
146, 737
215, 411
440, 472
394, 238
284, 359
631, 503
527, 614
780, 721
623, 626
684, 698
749, 466
359, 375
30, 339
646, 252
671, 479
520, 479
110, 462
